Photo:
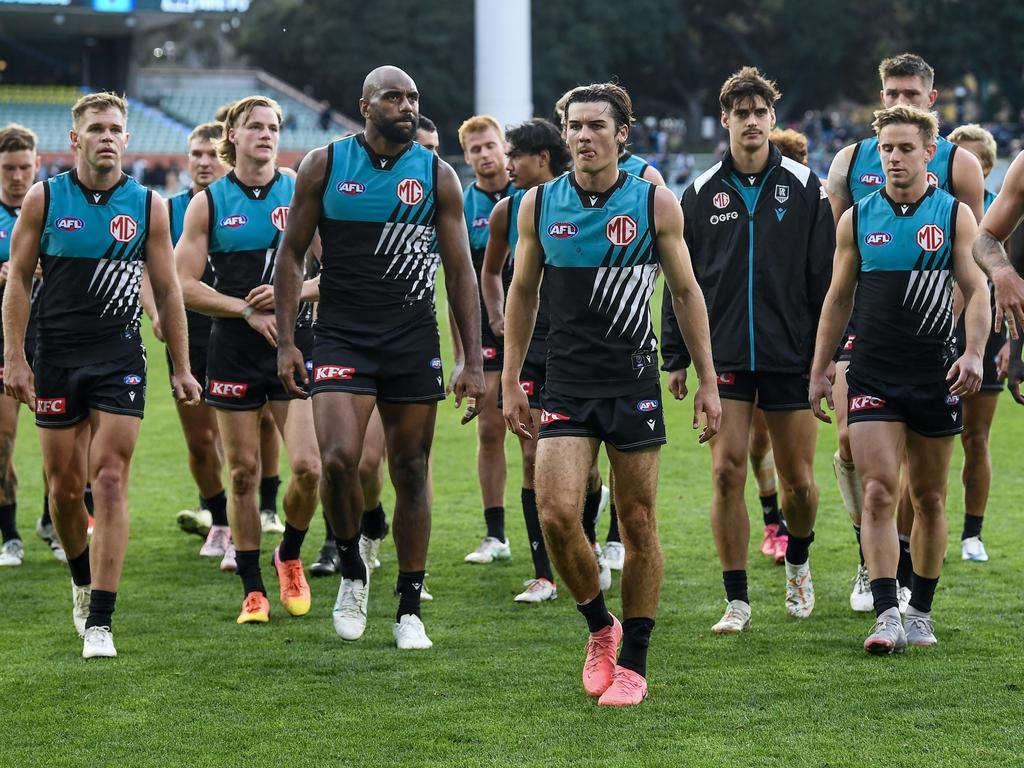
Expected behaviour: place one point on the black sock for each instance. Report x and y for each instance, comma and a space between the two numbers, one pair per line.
495, 519
636, 636
410, 584
375, 523
735, 585
856, 532
89, 504
972, 526
268, 493
46, 519
922, 593
783, 530
591, 505
8, 529
596, 613
883, 594
905, 566
770, 509
81, 574
249, 570
101, 608
329, 532
352, 565
539, 553
291, 542
613, 525
797, 549
218, 506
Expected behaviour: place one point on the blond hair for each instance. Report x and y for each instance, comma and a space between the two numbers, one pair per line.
902, 114
478, 124
236, 115
207, 131
15, 138
98, 101
974, 132
791, 144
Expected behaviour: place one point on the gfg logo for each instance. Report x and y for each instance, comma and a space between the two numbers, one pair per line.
333, 373
562, 230
234, 221
51, 405
878, 238
646, 406
69, 224
228, 388
865, 402
718, 218
409, 191
351, 187
872, 179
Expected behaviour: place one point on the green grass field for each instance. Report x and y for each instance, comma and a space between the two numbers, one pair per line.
501, 685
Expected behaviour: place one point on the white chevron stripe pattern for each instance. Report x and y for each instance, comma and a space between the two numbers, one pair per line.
118, 282
626, 291
409, 244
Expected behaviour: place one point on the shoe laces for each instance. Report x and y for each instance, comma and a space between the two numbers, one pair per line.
352, 599
861, 580
627, 682
734, 614
600, 644
253, 603
82, 600
293, 577
101, 634
920, 624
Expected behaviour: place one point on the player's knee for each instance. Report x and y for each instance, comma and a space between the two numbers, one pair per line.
491, 431
800, 491
729, 476
306, 472
637, 522
409, 470
930, 503
879, 498
339, 464
110, 481
975, 442
559, 521
244, 477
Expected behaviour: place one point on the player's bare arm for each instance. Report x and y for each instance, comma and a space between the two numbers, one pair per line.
690, 310
965, 374
494, 261
969, 182
989, 250
19, 382
837, 184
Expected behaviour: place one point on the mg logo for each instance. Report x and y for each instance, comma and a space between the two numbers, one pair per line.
332, 372
56, 405
721, 200
410, 191
932, 179
621, 230
123, 228
228, 388
279, 217
930, 237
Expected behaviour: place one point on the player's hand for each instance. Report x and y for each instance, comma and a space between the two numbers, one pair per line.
1008, 289
186, 389
261, 298
291, 366
706, 404
515, 409
20, 382
454, 377
1015, 374
1003, 362
820, 386
469, 385
965, 374
158, 330
265, 324
677, 384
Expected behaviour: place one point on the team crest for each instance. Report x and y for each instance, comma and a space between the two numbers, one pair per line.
279, 217
782, 192
621, 230
409, 191
123, 228
930, 237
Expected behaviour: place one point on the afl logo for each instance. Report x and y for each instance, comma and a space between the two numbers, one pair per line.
409, 191
933, 180
123, 228
479, 222
70, 224
132, 379
621, 230
878, 238
234, 221
279, 217
435, 363
646, 406
871, 179
930, 237
351, 187
3, 234
721, 200
952, 400
562, 229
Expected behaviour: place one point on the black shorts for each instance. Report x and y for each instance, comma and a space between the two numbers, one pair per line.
401, 365
492, 347
65, 395
989, 379
846, 348
928, 409
243, 377
771, 391
531, 377
197, 355
30, 356
627, 422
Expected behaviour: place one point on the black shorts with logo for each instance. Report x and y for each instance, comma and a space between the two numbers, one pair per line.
928, 409
531, 377
627, 422
197, 356
492, 347
243, 377
400, 365
846, 348
771, 391
989, 377
65, 395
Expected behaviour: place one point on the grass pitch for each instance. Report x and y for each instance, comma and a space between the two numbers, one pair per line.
501, 685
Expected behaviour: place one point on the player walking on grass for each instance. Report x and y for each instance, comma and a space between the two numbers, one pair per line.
93, 228
899, 250
600, 235
759, 228
377, 199
237, 225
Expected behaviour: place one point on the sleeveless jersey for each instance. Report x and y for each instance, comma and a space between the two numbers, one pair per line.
543, 323
246, 225
199, 325
377, 230
600, 265
633, 164
92, 249
905, 292
990, 197
866, 176
477, 206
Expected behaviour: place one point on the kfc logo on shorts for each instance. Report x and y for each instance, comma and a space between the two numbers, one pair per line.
872, 179
721, 200
123, 228
865, 403
279, 217
69, 224
351, 187
621, 230
333, 373
547, 417
51, 405
132, 379
528, 386
436, 363
228, 388
933, 180
234, 221
727, 378
646, 406
848, 346
489, 353
409, 191
930, 237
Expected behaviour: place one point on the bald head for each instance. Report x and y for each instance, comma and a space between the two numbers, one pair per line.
391, 105
386, 78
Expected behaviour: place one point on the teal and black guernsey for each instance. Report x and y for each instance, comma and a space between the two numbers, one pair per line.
540, 327
633, 164
8, 217
904, 295
600, 265
477, 205
246, 226
866, 175
199, 325
377, 230
92, 250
